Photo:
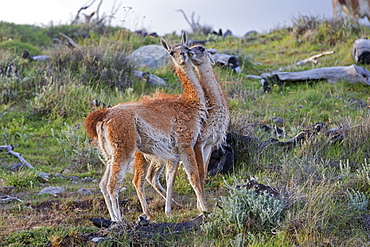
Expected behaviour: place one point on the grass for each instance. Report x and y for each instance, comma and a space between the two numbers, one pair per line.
324, 187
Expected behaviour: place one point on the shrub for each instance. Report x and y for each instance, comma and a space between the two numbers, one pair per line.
357, 201
319, 30
25, 33
243, 211
77, 147
18, 47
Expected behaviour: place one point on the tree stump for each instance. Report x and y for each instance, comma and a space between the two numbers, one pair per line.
361, 51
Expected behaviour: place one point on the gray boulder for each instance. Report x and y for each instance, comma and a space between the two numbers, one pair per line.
52, 191
150, 56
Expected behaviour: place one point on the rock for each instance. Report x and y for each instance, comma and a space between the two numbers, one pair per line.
150, 56
52, 191
74, 178
97, 240
66, 172
84, 192
58, 175
250, 33
44, 177
278, 120
87, 179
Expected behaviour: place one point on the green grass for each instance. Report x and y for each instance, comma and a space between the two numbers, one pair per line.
324, 187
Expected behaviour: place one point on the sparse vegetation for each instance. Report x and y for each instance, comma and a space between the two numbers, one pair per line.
324, 186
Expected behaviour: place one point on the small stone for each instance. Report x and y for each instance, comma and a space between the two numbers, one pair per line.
44, 177
87, 179
278, 120
58, 175
97, 239
84, 192
66, 172
52, 191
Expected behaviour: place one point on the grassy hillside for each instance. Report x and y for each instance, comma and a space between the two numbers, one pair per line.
324, 186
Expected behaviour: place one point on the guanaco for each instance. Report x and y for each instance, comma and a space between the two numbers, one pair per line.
162, 128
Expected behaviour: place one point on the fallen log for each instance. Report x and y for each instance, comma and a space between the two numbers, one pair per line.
9, 149
225, 60
352, 74
151, 79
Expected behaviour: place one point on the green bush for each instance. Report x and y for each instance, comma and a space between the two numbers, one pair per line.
243, 211
18, 47
25, 33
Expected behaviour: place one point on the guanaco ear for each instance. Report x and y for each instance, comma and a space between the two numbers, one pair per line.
184, 38
213, 62
165, 45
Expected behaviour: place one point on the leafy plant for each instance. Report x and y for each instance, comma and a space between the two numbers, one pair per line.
242, 211
357, 201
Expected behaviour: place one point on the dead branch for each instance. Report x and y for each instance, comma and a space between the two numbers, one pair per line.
151, 79
75, 21
334, 134
312, 59
9, 149
97, 12
193, 27
71, 43
114, 11
7, 198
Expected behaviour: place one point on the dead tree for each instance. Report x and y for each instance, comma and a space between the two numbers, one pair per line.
98, 20
195, 26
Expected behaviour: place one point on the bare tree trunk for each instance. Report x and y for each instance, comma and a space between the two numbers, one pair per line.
352, 74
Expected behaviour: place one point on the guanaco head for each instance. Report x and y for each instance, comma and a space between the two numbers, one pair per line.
179, 52
199, 55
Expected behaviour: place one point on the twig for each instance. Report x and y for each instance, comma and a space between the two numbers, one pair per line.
6, 199
71, 42
9, 149
312, 59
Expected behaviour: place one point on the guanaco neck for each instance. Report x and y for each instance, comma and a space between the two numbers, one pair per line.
190, 84
212, 90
